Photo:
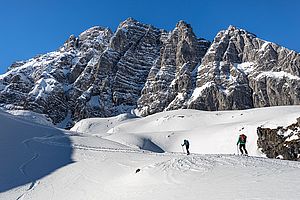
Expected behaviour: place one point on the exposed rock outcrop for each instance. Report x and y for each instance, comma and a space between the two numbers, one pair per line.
282, 142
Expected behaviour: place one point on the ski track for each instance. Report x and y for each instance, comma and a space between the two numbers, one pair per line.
194, 162
23, 166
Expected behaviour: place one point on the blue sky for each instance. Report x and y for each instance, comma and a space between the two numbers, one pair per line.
31, 27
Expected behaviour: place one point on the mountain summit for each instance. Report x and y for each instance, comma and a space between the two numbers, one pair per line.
146, 69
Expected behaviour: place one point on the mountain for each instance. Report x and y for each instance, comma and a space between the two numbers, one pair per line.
142, 68
117, 157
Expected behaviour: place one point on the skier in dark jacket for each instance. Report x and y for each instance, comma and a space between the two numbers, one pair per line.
187, 146
242, 142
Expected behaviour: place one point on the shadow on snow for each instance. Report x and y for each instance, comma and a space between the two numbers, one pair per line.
25, 154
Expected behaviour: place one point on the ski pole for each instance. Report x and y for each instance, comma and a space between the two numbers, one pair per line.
237, 149
182, 149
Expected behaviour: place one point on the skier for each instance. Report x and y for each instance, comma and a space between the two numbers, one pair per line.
187, 146
242, 142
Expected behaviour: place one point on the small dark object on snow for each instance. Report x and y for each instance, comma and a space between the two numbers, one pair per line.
137, 170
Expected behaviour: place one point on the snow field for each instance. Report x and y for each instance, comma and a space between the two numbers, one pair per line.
118, 158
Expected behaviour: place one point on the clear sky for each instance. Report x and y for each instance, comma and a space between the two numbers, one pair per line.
31, 27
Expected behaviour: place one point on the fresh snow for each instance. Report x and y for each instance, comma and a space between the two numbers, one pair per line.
168, 129
198, 91
246, 67
118, 158
263, 46
32, 116
43, 87
101, 126
280, 75
293, 137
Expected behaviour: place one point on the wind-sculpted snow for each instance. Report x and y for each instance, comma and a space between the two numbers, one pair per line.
143, 69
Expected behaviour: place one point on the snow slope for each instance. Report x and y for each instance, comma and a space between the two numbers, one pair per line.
208, 132
31, 116
101, 162
23, 160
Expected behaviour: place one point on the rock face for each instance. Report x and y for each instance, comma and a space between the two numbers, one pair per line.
238, 71
104, 73
112, 81
172, 77
283, 143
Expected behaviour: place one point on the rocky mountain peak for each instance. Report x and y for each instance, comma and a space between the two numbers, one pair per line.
171, 79
127, 22
243, 70
96, 37
183, 25
234, 31
131, 23
232, 28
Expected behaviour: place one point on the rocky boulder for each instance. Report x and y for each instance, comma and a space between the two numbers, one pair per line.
282, 142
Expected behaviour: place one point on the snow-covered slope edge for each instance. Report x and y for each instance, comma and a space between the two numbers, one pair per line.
30, 116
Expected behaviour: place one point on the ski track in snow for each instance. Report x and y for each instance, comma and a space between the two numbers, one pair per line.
84, 147
177, 161
23, 166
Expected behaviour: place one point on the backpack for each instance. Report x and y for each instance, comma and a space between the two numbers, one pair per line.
186, 142
243, 138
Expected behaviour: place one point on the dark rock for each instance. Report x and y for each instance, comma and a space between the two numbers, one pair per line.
280, 142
